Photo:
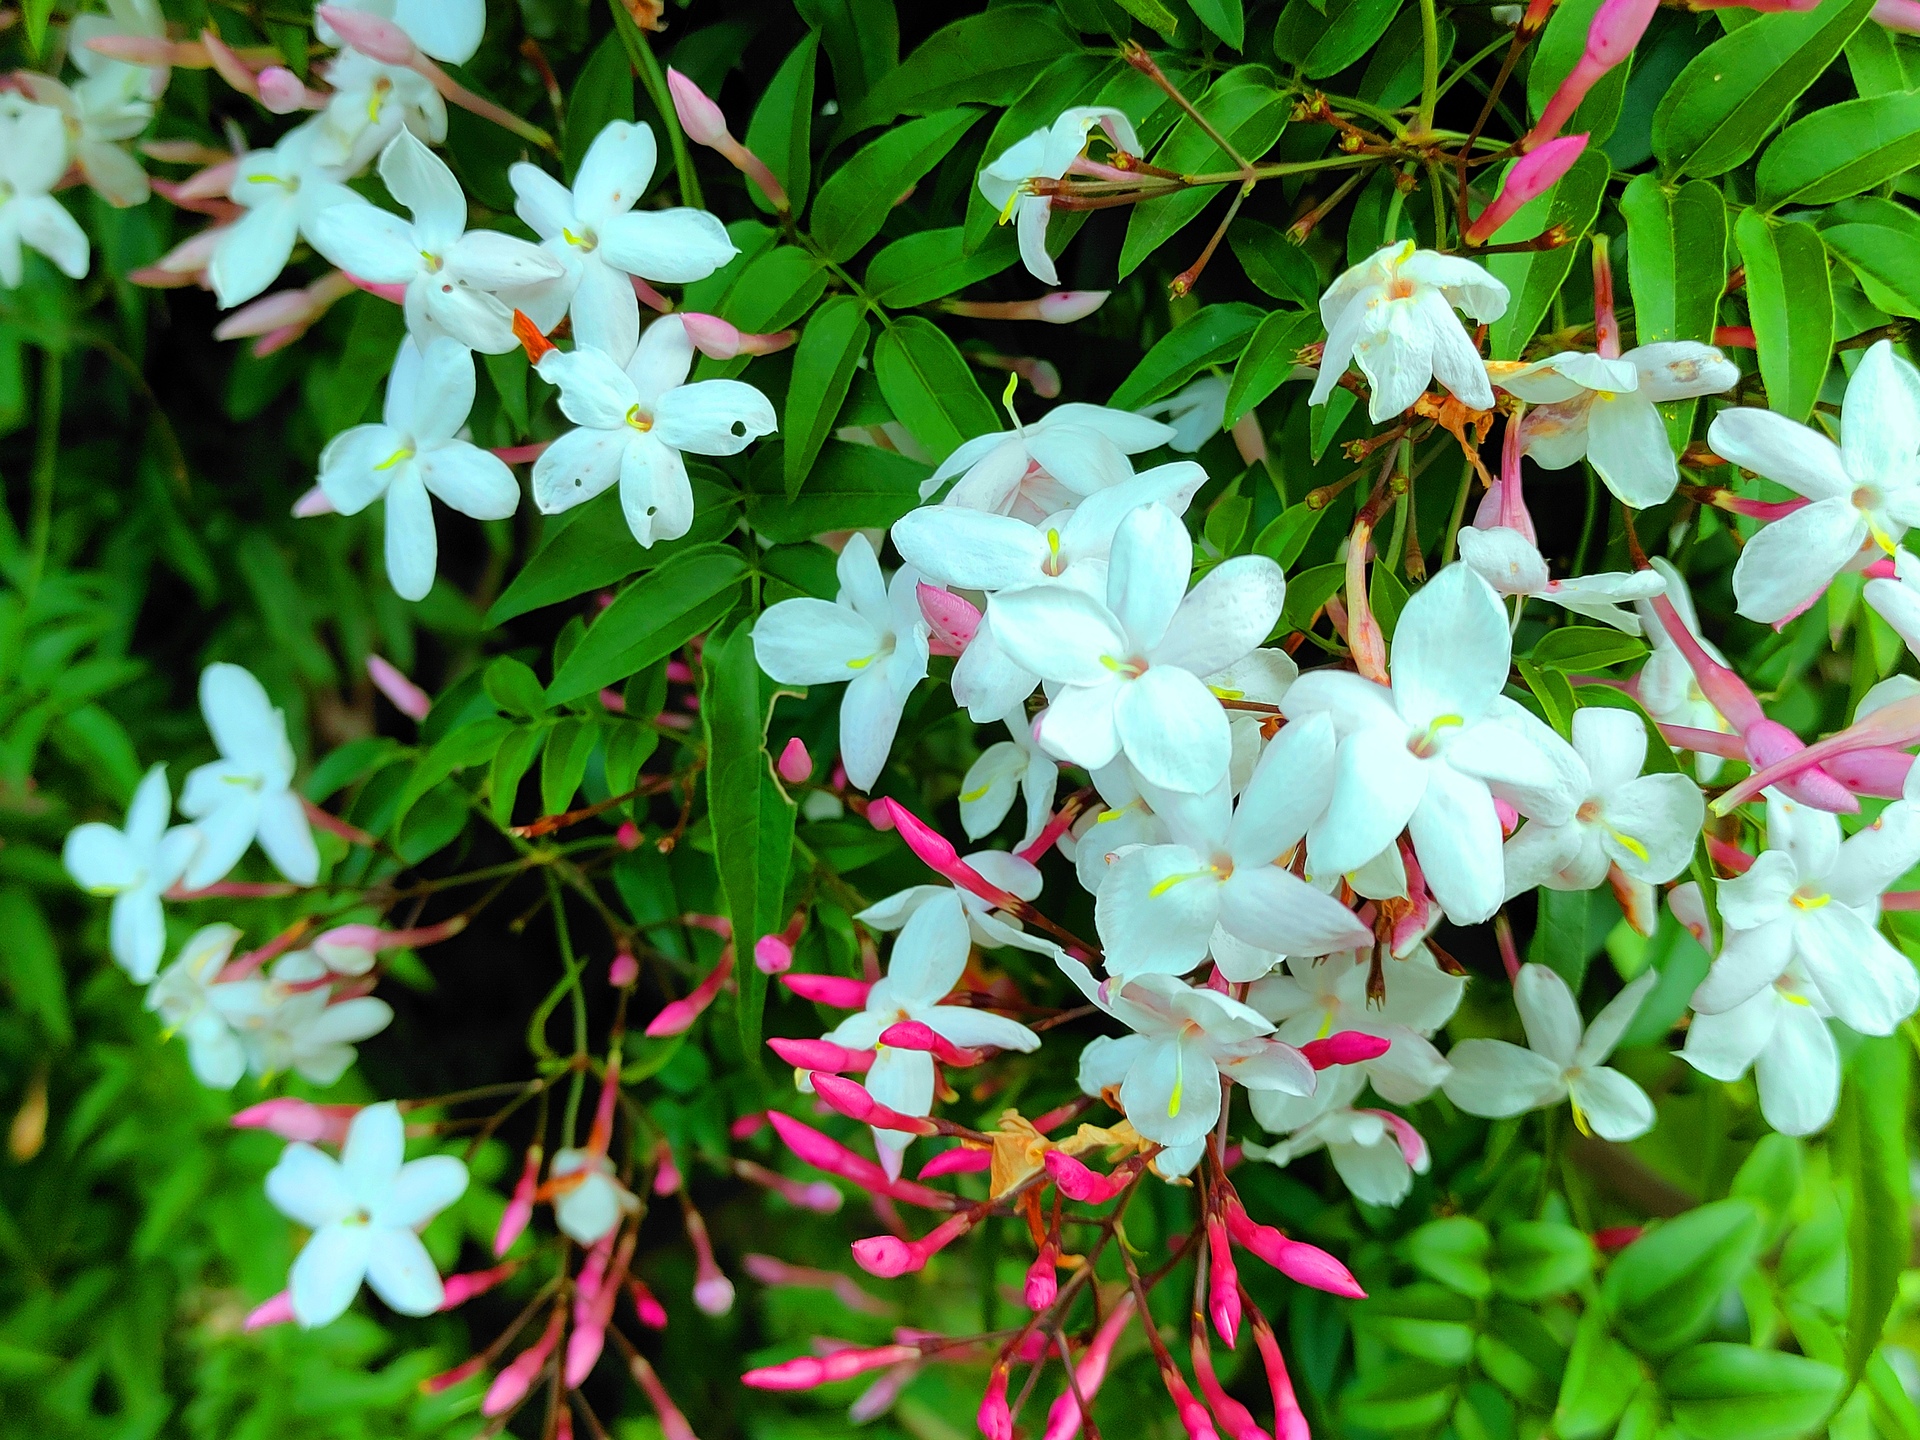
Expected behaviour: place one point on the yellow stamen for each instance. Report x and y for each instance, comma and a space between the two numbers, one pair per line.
1880, 537
403, 453
1225, 694
639, 420
862, 662
1811, 902
1105, 815
1326, 1027
1634, 847
1006, 395
1795, 999
967, 797
1172, 880
1579, 1117
1006, 210
1179, 1081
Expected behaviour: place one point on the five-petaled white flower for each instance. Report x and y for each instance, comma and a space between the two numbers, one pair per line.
1430, 753
601, 240
872, 636
448, 30
1126, 673
280, 190
1003, 770
1376, 1153
1033, 471
136, 865
929, 956
33, 157
371, 103
1047, 155
247, 793
1865, 490
365, 1210
635, 420
415, 451
1494, 1078
451, 273
1392, 315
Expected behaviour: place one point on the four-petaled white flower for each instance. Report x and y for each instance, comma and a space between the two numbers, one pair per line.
247, 793
33, 157
1392, 315
1603, 410
872, 636
365, 1210
635, 420
1047, 155
1160, 906
1376, 1153
281, 191
1003, 770
415, 451
1126, 673
1865, 490
1430, 753
135, 865
1494, 1078
451, 273
1644, 824
929, 956
1032, 471
601, 240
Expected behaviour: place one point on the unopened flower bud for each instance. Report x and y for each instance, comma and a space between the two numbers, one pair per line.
510, 1386
852, 1100
888, 1256
1063, 307
1616, 29
623, 971
292, 1119
805, 1372
1532, 175
520, 1206
952, 618
1043, 1282
995, 1418
918, 1035
1348, 1047
700, 117
458, 1289
820, 1055
276, 1310
408, 698
957, 1161
834, 990
376, 38
313, 502
1223, 1282
795, 765
1077, 1182
772, 955
281, 91
646, 1309
1297, 1260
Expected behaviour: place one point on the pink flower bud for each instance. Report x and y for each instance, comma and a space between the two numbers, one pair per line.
851, 1099
1043, 1282
1063, 307
825, 1153
952, 619
277, 1310
373, 37
995, 1418
677, 1017
627, 837
888, 1256
1297, 1260
796, 765
673, 1425
1063, 1419
821, 1055
917, 1035
666, 1174
937, 852
510, 1386
600, 1135
520, 1207
772, 955
957, 1161
623, 971
227, 65
1288, 1422
1234, 1417
1413, 1145
1532, 175
1616, 29
292, 1119
282, 93
713, 1295
804, 1372
749, 1125
711, 336
458, 1289
313, 502
834, 990
1223, 1282
1077, 1182
1900, 15
592, 1312
408, 698
699, 116
646, 1309
1617, 1237
447, 1379
1348, 1047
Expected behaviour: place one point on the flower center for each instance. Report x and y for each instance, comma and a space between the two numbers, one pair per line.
433, 262
639, 419
1426, 743
1128, 668
1807, 898
586, 240
1053, 564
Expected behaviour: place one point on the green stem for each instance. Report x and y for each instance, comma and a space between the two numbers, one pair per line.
648, 69
1429, 67
579, 997
46, 464
1459, 514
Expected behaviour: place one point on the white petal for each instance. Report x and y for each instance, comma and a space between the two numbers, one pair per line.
1377, 786
308, 1187
593, 389
669, 247
473, 481
1174, 731
1451, 649
1456, 835
1615, 1107
1549, 1013
869, 717
606, 312
975, 1028
1794, 558
713, 417
371, 1158
1724, 1045
412, 547
1869, 986
655, 495
1751, 900
1226, 615
931, 951
1880, 421
1798, 1073
1268, 907
575, 468
327, 1273
245, 725
421, 1191
448, 30
252, 253
1749, 961
1058, 633
367, 242
1172, 1092
400, 1272
100, 859
1682, 370
1611, 1023
1156, 909
1290, 789
1147, 575
811, 642
287, 838
421, 181
1493, 1079
618, 166
1802, 459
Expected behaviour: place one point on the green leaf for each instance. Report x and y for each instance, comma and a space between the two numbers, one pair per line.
1308, 591
1407, 1398
1551, 690
1870, 1155
1737, 89
349, 765
1274, 263
1663, 1288
1600, 1378
508, 375
1327, 420
1153, 13
1427, 1322
591, 547
1559, 48
1582, 648
30, 964
1873, 59
930, 387
986, 59
601, 94
781, 131
1841, 150
564, 763
823, 364
1287, 534
510, 764
1246, 106
1534, 277
1533, 1259
1735, 1392
1770, 1177
1214, 335
1224, 18
932, 264
752, 816
368, 354
776, 289
1324, 40
1877, 239
1226, 522
1269, 358
461, 749
850, 487
1677, 265
628, 744
650, 619
862, 38
855, 201
1453, 1251
512, 685
1570, 930
36, 13
1790, 302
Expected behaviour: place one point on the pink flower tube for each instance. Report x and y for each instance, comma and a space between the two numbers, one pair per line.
1348, 1047
677, 1016
804, 1372
1064, 1419
1297, 1260
834, 990
1616, 29
1532, 175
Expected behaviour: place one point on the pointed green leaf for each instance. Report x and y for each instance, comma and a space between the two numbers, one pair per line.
823, 364
1790, 301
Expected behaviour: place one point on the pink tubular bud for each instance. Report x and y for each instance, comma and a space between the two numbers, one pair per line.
677, 1016
313, 502
1297, 1260
1043, 1281
461, 1288
1234, 1417
719, 340
1077, 1182
646, 1309
292, 1119
917, 1035
995, 1418
699, 116
151, 51
817, 1196
795, 765
1288, 1421
952, 619
1063, 1419
600, 1136
1063, 307
1223, 1282
772, 955
510, 1386
825, 1153
447, 1379
622, 971
276, 1310
1348, 1047
283, 94
627, 837
408, 698
229, 66
592, 1313
851, 1099
958, 1161
1900, 15
1532, 175
712, 1290
804, 1372
1616, 29
935, 851
673, 1425
888, 1256
747, 1126
834, 990
372, 36
520, 1206
821, 1055
666, 1174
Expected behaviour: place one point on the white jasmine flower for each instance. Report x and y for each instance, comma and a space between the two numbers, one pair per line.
1034, 471
1494, 1078
1512, 564
416, 451
601, 240
136, 865
1781, 1033
872, 636
635, 421
586, 1210
1197, 412
365, 1210
371, 104
300, 1027
1865, 488
246, 794
191, 1000
1005, 768
99, 114
1376, 1153
1392, 315
281, 190
450, 273
1047, 155
33, 157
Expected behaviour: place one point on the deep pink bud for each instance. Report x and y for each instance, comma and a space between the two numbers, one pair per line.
699, 116
408, 698
1617, 1237
1532, 175
995, 1418
447, 1379
1234, 1417
372, 36
825, 1153
835, 990
677, 1016
1077, 1182
276, 1310
1063, 1419
458, 1289
749, 1125
1223, 1282
627, 837
1348, 1047
292, 1119
311, 503
1616, 29
851, 1099
957, 1161
804, 1372
820, 1055
1297, 1260
796, 765
889, 1256
520, 1207
772, 955
622, 971
646, 1309
1043, 1282
1288, 1422
934, 849
917, 1035
952, 618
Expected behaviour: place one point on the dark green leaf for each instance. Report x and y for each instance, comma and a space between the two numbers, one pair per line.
628, 744
650, 619
1428, 1322
564, 763
1409, 1398
36, 13
1677, 260
774, 290
512, 685
1841, 150
1224, 18
1663, 1288
933, 264
1533, 1259
1274, 263
1269, 358
823, 364
1325, 41
368, 355
1214, 336
1534, 277
848, 488
1551, 689
781, 131
1734, 1392
862, 38
1308, 591
1152, 12
601, 93
987, 59
929, 386
30, 963
1870, 1155
462, 749
854, 201
1877, 238
1226, 522
1790, 301
1453, 1251
510, 764
349, 765
1570, 929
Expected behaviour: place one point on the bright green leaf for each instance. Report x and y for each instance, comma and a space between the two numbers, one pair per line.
930, 387
1790, 301
650, 619
855, 201
823, 365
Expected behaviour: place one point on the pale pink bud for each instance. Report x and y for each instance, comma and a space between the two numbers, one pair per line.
1223, 1282
646, 1309
957, 1161
1063, 307
995, 1418
772, 955
835, 990
1297, 1260
678, 1016
805, 1372
520, 1207
796, 765
183, 264
209, 182
593, 1311
276, 1310
820, 1055
458, 1289
699, 116
673, 1425
510, 1386
1413, 1148
713, 1294
711, 336
408, 698
292, 1119
1043, 1282
1532, 175
1901, 15
372, 36
1063, 1419
1348, 1047
149, 50
666, 1174
313, 502
952, 619
1077, 1182
600, 1134
712, 1290
852, 1100
281, 91
392, 292
229, 66
623, 971
817, 1195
